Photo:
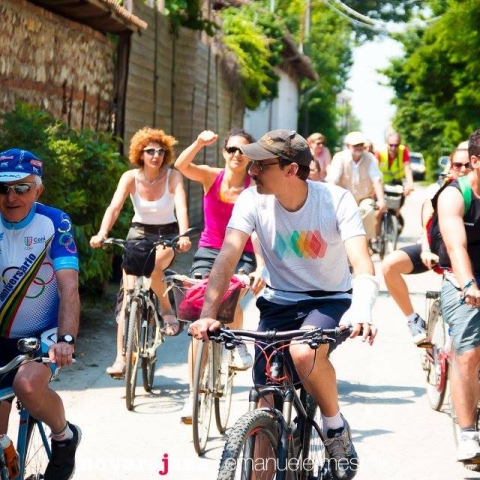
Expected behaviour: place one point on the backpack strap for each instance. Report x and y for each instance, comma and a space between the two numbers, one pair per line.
466, 190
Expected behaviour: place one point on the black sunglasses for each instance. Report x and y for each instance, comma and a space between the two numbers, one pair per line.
459, 165
153, 151
18, 188
393, 145
233, 150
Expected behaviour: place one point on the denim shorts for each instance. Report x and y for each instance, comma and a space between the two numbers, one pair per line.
323, 312
464, 321
204, 259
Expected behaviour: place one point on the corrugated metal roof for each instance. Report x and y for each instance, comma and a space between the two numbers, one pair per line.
106, 16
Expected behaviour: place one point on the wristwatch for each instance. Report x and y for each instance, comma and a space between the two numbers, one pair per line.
67, 338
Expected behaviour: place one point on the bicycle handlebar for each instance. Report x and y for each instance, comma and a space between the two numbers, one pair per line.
314, 338
162, 241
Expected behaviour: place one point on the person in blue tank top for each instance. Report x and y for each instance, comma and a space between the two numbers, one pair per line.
160, 206
38, 297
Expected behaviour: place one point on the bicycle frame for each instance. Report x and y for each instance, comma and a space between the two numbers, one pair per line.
284, 392
24, 421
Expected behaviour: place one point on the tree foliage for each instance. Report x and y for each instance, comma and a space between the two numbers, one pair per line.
253, 36
436, 82
81, 170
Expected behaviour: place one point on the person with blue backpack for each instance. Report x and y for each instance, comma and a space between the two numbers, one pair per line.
459, 256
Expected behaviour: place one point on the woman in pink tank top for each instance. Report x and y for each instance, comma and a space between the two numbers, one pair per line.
222, 187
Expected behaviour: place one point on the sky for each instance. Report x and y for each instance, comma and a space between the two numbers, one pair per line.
371, 101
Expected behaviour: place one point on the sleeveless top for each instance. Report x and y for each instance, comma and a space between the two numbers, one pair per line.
471, 221
154, 212
216, 214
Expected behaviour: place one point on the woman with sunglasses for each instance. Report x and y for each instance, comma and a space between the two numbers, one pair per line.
418, 258
221, 187
160, 207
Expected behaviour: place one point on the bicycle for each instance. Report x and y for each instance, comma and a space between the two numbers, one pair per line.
143, 326
213, 373
284, 440
392, 222
33, 447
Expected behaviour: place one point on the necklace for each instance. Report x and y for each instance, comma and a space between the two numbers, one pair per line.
159, 176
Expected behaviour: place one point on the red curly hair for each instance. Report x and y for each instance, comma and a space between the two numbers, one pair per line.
146, 135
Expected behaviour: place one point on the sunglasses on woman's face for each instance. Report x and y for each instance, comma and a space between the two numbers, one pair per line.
233, 150
153, 151
17, 189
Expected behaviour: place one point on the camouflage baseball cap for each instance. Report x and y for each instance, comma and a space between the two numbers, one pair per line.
286, 144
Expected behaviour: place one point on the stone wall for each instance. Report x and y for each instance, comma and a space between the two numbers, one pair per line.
60, 65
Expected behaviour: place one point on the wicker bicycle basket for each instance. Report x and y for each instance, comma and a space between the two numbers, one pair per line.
187, 311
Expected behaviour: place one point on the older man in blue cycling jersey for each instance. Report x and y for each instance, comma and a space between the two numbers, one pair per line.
39, 268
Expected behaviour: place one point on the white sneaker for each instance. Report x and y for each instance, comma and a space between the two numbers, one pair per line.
468, 447
186, 415
242, 360
418, 330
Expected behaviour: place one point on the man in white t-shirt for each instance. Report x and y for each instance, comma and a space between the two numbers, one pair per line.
308, 232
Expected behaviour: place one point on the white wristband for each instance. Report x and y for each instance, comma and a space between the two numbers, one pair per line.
365, 291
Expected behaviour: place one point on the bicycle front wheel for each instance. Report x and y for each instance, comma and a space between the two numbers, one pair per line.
149, 356
37, 450
313, 458
133, 352
388, 235
223, 385
251, 448
202, 396
437, 373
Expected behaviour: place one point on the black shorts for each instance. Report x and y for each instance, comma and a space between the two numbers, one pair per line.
323, 312
204, 259
414, 253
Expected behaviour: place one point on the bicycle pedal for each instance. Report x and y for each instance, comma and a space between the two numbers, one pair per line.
426, 344
118, 376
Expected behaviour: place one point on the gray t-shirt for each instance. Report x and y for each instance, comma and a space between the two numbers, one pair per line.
303, 250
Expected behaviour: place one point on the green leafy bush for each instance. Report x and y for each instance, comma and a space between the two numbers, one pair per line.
81, 171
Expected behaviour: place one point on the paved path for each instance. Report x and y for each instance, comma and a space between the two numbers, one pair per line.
382, 392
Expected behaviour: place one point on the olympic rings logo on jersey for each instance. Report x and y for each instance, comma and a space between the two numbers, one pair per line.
45, 276
66, 238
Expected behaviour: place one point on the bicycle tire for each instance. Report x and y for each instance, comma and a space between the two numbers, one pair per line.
238, 457
382, 238
148, 362
389, 235
202, 396
133, 353
437, 373
313, 454
224, 376
37, 450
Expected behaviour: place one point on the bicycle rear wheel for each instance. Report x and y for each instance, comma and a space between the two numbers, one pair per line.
223, 385
251, 448
437, 373
37, 450
202, 396
133, 352
313, 460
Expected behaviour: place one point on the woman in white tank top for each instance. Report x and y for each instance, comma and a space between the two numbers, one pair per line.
160, 205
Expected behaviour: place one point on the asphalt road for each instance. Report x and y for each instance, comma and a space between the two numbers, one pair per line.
382, 394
